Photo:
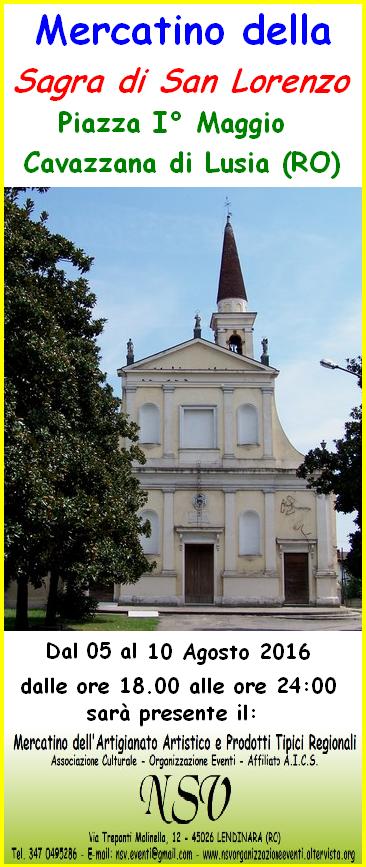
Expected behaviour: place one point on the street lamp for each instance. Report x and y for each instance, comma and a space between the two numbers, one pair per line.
326, 362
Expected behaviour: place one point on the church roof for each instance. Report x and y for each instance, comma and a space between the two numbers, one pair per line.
231, 283
222, 359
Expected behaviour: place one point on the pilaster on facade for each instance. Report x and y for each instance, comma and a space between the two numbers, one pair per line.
248, 334
269, 534
325, 549
267, 398
130, 392
228, 422
220, 336
168, 446
168, 566
325, 574
230, 531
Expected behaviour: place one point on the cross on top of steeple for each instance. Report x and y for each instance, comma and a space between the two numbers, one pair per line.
228, 213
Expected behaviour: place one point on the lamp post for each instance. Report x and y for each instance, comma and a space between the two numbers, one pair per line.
326, 362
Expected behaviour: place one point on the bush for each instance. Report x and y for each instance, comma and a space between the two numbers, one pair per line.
353, 588
74, 604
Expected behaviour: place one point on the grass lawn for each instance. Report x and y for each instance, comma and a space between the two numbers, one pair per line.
107, 622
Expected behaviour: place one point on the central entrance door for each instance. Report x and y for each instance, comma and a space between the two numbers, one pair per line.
199, 573
296, 571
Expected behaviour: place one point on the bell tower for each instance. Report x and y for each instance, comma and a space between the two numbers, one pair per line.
232, 324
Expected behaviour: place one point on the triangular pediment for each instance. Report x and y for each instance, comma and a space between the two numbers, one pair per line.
198, 354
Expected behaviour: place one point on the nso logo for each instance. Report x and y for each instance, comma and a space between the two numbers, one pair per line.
212, 793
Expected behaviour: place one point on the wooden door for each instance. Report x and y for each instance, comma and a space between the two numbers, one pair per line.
296, 572
199, 573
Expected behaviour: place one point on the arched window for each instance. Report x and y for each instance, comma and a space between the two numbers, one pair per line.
149, 423
235, 344
247, 424
249, 533
151, 544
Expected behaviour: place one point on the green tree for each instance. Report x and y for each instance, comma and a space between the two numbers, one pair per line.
339, 472
71, 495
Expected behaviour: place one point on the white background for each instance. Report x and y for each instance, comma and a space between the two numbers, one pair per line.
37, 715
312, 121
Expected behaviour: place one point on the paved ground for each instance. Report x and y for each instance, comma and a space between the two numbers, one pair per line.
173, 619
250, 622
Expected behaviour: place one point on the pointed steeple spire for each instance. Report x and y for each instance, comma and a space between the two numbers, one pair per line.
231, 283
232, 324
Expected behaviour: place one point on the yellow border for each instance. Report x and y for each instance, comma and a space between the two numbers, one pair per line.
185, 3
182, 2
2, 833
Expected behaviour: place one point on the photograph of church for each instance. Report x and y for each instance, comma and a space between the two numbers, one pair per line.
231, 524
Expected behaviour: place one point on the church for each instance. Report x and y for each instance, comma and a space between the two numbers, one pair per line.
231, 524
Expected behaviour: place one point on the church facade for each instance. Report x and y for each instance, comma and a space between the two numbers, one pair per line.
231, 524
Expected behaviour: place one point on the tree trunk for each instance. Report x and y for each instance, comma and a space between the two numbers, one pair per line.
21, 617
52, 599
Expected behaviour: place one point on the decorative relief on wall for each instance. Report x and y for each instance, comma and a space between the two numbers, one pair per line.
199, 501
289, 506
299, 527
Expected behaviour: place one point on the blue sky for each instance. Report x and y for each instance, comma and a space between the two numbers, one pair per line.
156, 262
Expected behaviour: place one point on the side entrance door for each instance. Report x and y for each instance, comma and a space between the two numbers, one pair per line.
199, 573
101, 592
296, 573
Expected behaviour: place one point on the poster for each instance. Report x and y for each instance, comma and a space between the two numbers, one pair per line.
235, 736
